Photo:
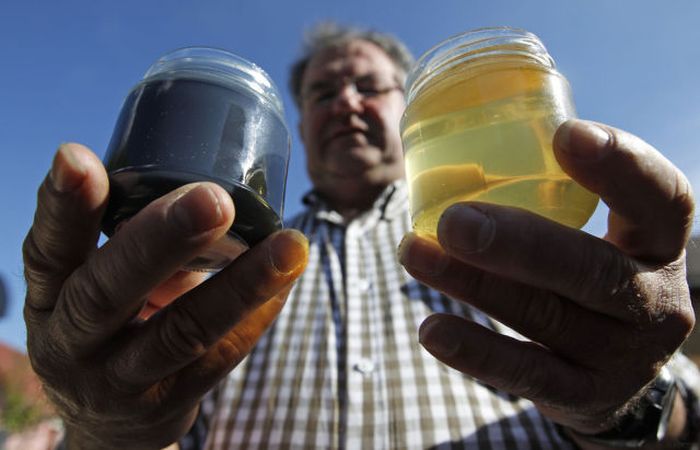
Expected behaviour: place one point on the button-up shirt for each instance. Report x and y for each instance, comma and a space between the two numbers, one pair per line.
341, 368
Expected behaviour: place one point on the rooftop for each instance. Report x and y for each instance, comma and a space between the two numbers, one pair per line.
693, 262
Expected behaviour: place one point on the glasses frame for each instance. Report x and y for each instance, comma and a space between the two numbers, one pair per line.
368, 86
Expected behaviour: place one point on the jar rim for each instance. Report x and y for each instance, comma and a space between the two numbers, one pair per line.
474, 44
216, 64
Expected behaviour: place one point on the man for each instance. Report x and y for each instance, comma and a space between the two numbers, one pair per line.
340, 366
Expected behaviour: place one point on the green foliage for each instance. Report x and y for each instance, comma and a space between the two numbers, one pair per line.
18, 412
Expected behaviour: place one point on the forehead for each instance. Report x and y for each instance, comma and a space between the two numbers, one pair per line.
354, 58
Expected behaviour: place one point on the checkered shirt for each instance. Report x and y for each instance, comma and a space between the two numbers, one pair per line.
341, 368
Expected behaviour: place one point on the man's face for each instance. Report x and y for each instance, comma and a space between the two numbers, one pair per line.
352, 101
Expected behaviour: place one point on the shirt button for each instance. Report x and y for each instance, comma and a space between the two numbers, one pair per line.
365, 366
365, 284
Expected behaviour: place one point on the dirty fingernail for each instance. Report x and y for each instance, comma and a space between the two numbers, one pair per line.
583, 139
198, 209
437, 339
466, 229
288, 251
422, 256
67, 171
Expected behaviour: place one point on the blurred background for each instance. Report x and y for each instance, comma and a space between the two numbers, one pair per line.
67, 66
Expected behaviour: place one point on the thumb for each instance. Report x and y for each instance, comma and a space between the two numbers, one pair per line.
650, 200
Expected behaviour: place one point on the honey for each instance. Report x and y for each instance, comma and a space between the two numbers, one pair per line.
479, 126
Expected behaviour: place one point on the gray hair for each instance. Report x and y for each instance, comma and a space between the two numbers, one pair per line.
329, 34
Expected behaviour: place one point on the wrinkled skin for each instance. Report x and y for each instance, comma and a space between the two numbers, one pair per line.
603, 314
124, 383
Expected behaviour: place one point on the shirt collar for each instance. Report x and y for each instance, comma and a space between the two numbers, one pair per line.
391, 203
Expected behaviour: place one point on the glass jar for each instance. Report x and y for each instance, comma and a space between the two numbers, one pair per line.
482, 109
202, 114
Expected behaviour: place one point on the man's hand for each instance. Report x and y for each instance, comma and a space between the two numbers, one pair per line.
125, 383
603, 314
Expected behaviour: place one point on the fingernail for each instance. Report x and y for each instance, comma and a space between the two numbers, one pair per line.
583, 139
198, 209
437, 339
466, 229
67, 171
288, 251
422, 256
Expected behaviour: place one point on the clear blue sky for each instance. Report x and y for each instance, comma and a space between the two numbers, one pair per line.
67, 66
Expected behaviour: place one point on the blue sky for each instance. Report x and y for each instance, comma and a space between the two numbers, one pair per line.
67, 66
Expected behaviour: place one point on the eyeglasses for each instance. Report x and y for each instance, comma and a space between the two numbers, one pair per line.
324, 93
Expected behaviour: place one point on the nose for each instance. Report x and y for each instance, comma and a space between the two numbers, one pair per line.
348, 100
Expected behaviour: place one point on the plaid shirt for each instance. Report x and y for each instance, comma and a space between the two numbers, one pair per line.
341, 368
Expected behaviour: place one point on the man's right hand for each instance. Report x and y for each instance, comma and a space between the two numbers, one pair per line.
120, 382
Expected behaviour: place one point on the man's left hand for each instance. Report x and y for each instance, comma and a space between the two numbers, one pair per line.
602, 315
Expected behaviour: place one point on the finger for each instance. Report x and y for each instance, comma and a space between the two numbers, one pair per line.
186, 329
547, 318
171, 289
528, 249
66, 223
651, 203
196, 379
109, 290
523, 369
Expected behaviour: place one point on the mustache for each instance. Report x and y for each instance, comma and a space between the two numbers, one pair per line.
352, 124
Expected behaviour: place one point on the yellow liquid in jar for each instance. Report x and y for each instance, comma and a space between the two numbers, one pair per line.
488, 138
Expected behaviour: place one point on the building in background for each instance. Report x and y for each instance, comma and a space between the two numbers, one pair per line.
24, 410
692, 345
